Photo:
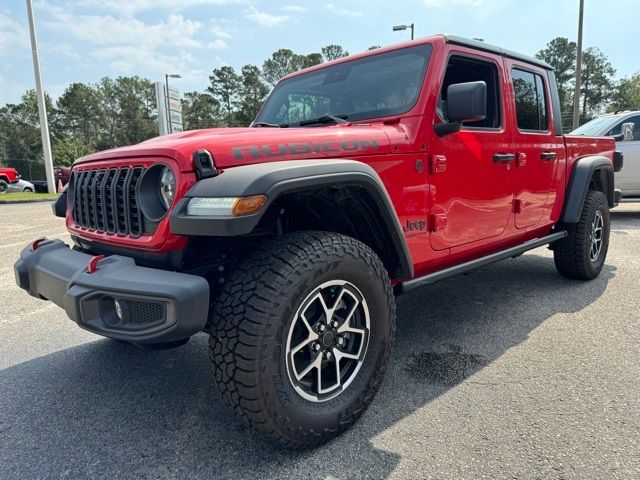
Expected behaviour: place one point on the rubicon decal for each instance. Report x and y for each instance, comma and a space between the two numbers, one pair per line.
302, 148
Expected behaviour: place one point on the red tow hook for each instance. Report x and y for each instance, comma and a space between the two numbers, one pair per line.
92, 266
36, 243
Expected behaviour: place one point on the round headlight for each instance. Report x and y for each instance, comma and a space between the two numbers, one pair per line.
167, 187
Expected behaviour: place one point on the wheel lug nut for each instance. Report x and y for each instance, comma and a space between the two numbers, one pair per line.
321, 327
327, 354
315, 346
340, 341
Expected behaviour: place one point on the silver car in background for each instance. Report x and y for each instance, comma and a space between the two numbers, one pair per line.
625, 126
22, 186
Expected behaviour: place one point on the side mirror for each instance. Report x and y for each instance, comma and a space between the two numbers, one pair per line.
627, 132
466, 102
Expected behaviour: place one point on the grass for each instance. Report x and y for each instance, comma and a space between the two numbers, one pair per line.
25, 197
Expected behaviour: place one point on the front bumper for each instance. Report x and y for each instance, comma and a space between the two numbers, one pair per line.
156, 306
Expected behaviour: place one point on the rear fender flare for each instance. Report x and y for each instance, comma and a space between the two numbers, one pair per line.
583, 172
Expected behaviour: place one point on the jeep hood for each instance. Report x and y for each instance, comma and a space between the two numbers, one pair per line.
241, 146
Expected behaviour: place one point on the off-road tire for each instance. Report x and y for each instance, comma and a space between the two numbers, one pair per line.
572, 253
251, 320
4, 187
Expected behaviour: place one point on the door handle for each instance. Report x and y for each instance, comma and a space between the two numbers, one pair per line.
503, 157
548, 155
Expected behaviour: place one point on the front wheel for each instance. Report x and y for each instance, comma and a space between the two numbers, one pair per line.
4, 187
582, 253
302, 332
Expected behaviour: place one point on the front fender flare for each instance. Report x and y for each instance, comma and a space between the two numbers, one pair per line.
580, 181
274, 179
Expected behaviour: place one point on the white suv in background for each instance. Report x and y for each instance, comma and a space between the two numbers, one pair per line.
627, 142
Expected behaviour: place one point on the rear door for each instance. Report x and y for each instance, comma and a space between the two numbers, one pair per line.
538, 149
471, 172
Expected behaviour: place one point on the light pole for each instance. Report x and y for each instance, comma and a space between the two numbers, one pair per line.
42, 107
398, 28
576, 94
166, 80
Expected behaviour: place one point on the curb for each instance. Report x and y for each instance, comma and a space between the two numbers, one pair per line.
35, 200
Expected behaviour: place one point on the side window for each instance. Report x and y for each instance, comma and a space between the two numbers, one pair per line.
617, 130
531, 100
465, 69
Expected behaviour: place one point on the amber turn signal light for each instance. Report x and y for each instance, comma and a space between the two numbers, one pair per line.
248, 205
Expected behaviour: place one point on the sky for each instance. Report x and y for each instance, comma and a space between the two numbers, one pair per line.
84, 40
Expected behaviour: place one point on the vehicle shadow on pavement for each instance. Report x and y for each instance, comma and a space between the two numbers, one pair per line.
624, 220
107, 409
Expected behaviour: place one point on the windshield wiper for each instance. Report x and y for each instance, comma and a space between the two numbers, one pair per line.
267, 124
325, 119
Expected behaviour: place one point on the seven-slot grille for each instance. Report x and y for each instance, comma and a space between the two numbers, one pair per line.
106, 200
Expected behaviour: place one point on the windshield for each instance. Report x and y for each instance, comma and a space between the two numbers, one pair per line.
375, 86
595, 126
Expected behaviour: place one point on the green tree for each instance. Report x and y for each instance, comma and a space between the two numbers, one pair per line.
560, 53
127, 111
596, 82
373, 47
224, 87
626, 94
311, 59
333, 52
252, 93
282, 62
200, 110
77, 114
66, 150
20, 141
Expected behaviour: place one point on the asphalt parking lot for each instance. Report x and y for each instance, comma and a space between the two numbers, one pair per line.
510, 371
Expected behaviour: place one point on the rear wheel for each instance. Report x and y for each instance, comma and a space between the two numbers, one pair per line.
4, 187
302, 332
582, 253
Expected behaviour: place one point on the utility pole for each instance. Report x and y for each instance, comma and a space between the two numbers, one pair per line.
42, 107
576, 94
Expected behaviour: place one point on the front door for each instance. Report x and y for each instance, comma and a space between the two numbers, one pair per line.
538, 149
471, 172
628, 179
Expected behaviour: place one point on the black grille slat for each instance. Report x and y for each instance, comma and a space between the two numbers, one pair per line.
122, 205
108, 192
93, 200
85, 199
135, 215
77, 182
107, 200
101, 221
80, 202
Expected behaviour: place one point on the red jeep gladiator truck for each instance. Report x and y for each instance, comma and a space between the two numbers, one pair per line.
287, 241
7, 176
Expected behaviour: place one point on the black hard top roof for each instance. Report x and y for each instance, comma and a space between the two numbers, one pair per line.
467, 42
